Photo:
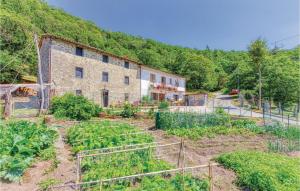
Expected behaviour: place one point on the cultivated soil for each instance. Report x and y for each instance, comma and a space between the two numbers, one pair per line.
198, 152
204, 150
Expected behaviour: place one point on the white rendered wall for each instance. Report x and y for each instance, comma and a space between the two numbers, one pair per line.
145, 83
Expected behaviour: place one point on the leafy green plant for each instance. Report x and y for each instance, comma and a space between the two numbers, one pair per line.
166, 120
48, 153
88, 135
263, 171
196, 132
73, 107
146, 100
46, 184
21, 142
248, 124
280, 130
163, 105
151, 113
129, 110
93, 135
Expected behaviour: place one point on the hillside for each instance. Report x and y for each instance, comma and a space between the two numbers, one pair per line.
20, 19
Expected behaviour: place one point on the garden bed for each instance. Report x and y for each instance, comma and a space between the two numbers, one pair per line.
22, 142
263, 171
113, 164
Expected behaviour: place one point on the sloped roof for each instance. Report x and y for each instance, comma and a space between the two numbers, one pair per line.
99, 51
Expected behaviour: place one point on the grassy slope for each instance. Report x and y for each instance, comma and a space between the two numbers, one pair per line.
21, 18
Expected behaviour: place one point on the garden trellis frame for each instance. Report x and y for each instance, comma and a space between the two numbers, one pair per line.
181, 168
125, 149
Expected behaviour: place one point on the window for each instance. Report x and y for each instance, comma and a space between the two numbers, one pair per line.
152, 78
176, 83
78, 92
163, 80
126, 80
104, 76
175, 97
126, 95
154, 96
170, 81
79, 51
105, 58
126, 64
78, 72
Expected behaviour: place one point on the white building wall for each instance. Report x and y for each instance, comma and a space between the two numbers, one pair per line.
145, 83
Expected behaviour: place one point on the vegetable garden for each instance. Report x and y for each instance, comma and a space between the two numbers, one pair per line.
21, 143
255, 170
116, 156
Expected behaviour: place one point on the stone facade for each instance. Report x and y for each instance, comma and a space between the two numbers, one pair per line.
60, 60
63, 61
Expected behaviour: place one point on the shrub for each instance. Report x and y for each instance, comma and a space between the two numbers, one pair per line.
151, 113
248, 94
73, 107
163, 105
146, 100
263, 171
129, 110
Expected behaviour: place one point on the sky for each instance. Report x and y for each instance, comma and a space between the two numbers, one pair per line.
220, 24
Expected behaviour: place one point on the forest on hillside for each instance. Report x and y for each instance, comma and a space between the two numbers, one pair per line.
207, 69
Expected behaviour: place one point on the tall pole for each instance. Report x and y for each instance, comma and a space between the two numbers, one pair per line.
259, 101
40, 73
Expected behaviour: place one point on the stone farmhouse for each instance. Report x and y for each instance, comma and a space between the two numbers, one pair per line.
105, 78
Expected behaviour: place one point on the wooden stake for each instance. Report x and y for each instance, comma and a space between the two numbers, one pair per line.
78, 168
100, 185
210, 176
179, 155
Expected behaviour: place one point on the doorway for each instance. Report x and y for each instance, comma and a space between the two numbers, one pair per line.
105, 98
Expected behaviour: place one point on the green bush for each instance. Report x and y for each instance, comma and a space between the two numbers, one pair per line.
163, 105
263, 171
146, 100
129, 110
166, 120
73, 107
248, 94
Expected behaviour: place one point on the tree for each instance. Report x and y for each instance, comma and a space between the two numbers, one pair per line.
258, 51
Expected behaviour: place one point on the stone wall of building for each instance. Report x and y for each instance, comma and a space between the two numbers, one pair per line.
63, 64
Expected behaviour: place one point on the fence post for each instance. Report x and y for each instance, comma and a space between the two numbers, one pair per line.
210, 177
78, 168
251, 111
240, 111
100, 185
213, 104
281, 116
288, 121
